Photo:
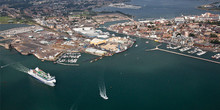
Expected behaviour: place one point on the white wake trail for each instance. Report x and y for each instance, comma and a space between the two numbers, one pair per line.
74, 107
3, 66
102, 90
20, 67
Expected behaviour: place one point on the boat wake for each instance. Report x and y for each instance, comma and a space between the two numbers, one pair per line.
3, 66
102, 90
20, 67
74, 107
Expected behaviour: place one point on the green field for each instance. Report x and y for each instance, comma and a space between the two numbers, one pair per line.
4, 19
7, 20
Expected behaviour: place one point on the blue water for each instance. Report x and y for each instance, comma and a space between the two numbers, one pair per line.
133, 79
163, 8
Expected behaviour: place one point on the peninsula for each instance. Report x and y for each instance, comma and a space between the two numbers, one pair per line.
213, 6
124, 5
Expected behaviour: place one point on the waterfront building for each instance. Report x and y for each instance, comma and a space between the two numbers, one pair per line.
97, 41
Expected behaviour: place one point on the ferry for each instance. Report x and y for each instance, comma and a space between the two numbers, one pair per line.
201, 53
42, 76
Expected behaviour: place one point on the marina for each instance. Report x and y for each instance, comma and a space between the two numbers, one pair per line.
68, 64
177, 47
193, 51
201, 53
185, 49
69, 59
217, 56
157, 48
170, 47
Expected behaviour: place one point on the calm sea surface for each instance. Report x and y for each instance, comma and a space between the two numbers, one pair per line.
133, 80
163, 8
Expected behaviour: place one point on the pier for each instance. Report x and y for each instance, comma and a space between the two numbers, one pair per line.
184, 55
96, 59
68, 64
157, 47
3, 45
68, 59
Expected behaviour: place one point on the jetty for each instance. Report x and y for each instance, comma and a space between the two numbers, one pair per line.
68, 64
157, 48
96, 59
68, 59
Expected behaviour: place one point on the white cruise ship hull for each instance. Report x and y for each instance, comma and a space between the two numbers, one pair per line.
50, 83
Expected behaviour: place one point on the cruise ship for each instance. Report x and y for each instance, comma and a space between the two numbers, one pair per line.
42, 76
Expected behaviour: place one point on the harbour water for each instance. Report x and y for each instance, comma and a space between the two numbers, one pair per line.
162, 8
134, 79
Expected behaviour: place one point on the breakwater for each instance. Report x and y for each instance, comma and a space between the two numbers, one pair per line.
184, 55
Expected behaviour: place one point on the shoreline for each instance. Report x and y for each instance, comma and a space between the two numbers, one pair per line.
115, 12
124, 6
43, 57
206, 9
19, 44
215, 6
